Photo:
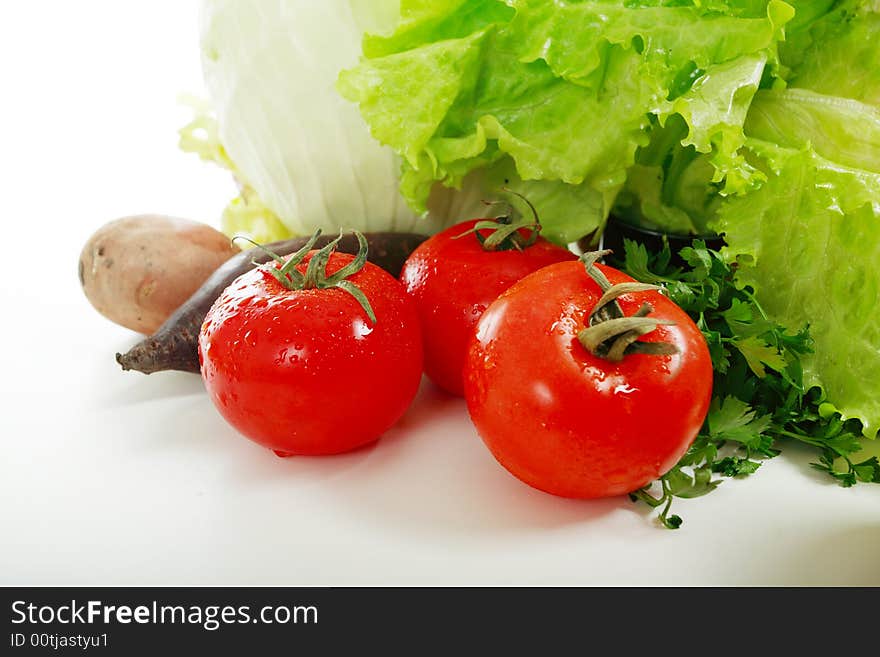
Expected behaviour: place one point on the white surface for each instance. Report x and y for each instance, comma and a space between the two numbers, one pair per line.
109, 477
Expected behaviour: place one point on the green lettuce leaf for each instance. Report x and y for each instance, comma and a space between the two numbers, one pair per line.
574, 37
839, 129
248, 216
837, 54
562, 91
474, 105
425, 21
715, 109
809, 242
695, 156
670, 188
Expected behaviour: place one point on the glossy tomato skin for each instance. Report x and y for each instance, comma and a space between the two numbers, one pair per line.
453, 281
570, 423
306, 372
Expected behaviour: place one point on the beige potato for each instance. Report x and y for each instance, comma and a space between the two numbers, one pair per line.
137, 270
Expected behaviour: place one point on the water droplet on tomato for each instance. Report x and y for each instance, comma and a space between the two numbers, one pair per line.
361, 329
477, 310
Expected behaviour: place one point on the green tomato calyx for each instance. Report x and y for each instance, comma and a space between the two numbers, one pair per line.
609, 333
505, 230
286, 273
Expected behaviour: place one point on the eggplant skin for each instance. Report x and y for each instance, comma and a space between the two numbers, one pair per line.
174, 345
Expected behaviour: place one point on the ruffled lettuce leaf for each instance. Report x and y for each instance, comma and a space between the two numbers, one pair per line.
427, 21
839, 129
809, 242
811, 235
831, 45
670, 187
836, 52
741, 8
562, 91
715, 109
573, 37
695, 157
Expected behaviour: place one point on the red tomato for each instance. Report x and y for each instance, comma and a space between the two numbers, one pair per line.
453, 281
571, 423
306, 371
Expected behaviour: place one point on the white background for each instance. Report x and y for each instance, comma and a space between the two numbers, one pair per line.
116, 478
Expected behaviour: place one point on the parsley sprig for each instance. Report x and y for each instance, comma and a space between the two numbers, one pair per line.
759, 398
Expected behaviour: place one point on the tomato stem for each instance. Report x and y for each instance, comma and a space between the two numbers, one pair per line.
287, 274
505, 231
610, 334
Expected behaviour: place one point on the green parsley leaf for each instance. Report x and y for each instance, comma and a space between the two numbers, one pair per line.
733, 419
758, 353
